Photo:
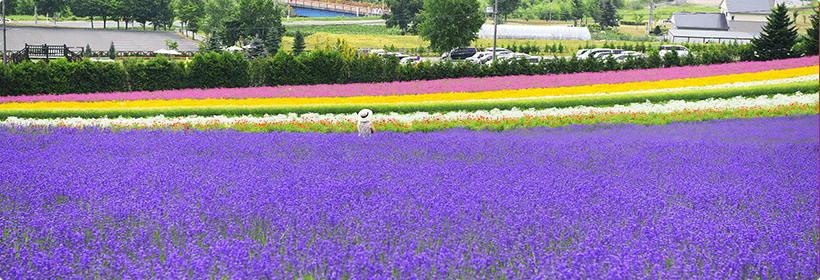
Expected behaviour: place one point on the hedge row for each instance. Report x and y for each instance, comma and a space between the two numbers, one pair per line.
229, 70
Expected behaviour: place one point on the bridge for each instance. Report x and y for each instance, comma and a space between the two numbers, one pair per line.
362, 10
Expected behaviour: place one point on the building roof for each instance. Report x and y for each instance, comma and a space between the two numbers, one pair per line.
748, 7
536, 32
713, 34
746, 26
708, 21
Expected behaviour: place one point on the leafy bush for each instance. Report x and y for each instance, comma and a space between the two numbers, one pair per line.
323, 67
156, 74
214, 70
285, 69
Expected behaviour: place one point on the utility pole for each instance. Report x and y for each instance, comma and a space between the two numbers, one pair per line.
495, 27
551, 11
651, 7
4, 32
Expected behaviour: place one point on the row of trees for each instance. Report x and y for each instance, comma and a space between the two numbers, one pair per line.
229, 20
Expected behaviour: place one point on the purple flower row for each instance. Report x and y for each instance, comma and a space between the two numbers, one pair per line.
436, 86
724, 199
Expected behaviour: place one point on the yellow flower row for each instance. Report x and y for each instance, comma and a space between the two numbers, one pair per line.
435, 97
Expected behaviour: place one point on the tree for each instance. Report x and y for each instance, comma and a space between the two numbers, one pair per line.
218, 11
298, 43
593, 9
810, 41
212, 44
778, 37
85, 8
450, 23
577, 11
273, 40
88, 52
403, 14
253, 18
50, 6
191, 13
112, 53
609, 16
256, 49
506, 7
171, 44
162, 14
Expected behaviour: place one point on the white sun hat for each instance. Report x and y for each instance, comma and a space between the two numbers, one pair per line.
365, 115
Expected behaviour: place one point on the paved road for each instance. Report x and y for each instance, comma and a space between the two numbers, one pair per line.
79, 33
98, 39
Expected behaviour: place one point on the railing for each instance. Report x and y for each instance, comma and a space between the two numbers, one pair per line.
45, 52
351, 9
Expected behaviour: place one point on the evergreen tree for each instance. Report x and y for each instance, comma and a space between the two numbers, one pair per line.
256, 49
112, 53
273, 40
87, 50
298, 43
609, 16
810, 42
778, 37
212, 44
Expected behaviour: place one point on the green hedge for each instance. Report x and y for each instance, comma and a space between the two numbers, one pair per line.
430, 107
229, 70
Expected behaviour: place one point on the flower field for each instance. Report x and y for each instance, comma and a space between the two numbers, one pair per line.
722, 199
706, 172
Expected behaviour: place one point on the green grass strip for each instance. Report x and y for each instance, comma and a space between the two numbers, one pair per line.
437, 107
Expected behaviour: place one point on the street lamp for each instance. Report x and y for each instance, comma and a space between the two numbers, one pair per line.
4, 32
495, 27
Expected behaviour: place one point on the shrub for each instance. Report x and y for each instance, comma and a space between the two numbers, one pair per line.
284, 69
156, 74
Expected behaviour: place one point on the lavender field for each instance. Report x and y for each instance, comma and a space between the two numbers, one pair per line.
722, 199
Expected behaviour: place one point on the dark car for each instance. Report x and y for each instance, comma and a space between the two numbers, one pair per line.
460, 53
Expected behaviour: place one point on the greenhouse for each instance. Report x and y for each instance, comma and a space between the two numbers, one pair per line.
536, 32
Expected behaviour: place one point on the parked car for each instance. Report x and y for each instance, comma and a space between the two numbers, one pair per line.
459, 53
600, 55
581, 52
477, 56
681, 50
621, 57
413, 60
498, 50
512, 56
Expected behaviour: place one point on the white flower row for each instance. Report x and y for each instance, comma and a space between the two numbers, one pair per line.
647, 107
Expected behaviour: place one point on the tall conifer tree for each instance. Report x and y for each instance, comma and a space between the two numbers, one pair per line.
778, 37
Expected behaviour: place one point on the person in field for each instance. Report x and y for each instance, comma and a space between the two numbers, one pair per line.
365, 124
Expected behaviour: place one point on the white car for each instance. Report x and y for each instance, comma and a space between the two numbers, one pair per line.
512, 56
498, 50
581, 52
594, 52
601, 55
621, 57
681, 50
409, 60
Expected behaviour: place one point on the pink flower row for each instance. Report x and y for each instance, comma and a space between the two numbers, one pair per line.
437, 86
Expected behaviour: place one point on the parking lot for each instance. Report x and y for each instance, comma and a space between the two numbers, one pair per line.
99, 40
